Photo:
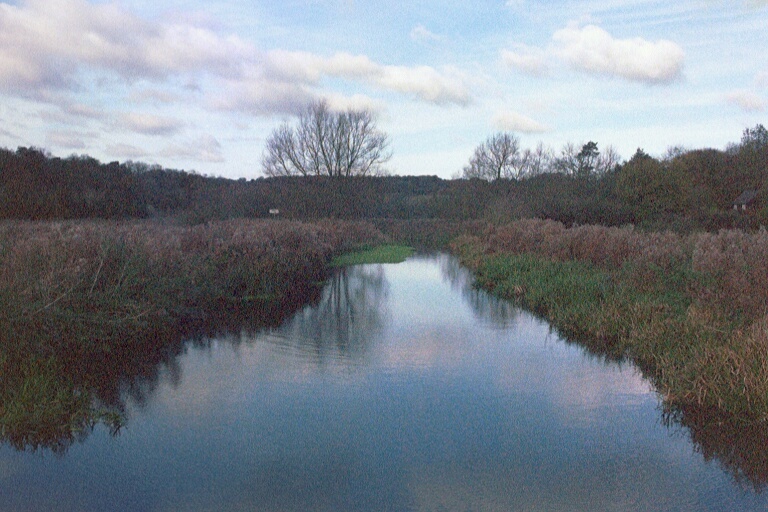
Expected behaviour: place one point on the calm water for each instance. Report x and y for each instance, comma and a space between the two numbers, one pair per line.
403, 389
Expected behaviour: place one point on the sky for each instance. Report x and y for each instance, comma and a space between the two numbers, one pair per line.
200, 86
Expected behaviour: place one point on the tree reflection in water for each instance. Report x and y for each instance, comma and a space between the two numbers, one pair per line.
740, 448
53, 401
339, 325
486, 307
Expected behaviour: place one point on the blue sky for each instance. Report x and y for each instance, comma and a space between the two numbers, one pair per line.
200, 85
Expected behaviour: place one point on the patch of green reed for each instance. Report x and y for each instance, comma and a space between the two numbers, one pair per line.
695, 355
40, 407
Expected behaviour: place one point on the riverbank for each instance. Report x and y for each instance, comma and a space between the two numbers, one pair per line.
83, 300
690, 311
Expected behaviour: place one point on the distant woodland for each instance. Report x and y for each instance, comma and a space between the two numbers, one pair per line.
686, 190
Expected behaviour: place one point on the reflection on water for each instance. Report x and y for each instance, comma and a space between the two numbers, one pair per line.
351, 311
401, 387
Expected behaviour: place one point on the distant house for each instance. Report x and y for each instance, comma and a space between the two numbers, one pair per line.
746, 199
274, 211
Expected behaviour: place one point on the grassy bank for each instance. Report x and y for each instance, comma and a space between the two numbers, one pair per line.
690, 311
82, 300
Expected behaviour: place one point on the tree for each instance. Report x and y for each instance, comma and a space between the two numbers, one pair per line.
587, 159
567, 162
327, 143
652, 188
586, 162
538, 160
755, 138
497, 157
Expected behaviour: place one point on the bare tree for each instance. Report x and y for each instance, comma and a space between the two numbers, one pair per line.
609, 159
497, 157
538, 160
567, 162
327, 143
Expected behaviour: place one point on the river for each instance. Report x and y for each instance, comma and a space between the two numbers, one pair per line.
401, 388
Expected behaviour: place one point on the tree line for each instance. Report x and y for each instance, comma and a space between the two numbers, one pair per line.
684, 190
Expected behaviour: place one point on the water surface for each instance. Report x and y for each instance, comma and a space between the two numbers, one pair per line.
403, 388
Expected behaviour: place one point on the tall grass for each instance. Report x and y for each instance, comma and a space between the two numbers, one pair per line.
691, 311
78, 298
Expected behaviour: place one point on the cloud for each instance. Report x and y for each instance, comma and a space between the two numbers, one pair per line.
126, 151
515, 122
149, 124
82, 111
340, 102
761, 80
52, 47
154, 96
203, 149
528, 59
45, 43
746, 100
593, 50
425, 83
66, 140
6, 133
262, 96
515, 4
422, 82
421, 34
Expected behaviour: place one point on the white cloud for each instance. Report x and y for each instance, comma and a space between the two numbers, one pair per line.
528, 59
423, 82
56, 46
260, 96
515, 122
340, 102
515, 4
746, 100
761, 80
149, 124
593, 50
45, 43
82, 111
66, 140
422, 34
154, 96
126, 151
203, 149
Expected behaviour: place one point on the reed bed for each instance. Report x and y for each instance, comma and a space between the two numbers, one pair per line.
691, 311
78, 292
112, 273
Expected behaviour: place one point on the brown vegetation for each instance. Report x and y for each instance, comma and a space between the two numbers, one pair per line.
692, 310
88, 303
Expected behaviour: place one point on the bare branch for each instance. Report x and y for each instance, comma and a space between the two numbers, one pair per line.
327, 143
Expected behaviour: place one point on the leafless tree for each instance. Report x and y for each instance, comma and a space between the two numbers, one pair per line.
608, 161
327, 143
538, 160
497, 157
567, 162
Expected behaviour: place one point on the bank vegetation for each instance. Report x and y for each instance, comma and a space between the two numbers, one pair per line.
690, 310
86, 303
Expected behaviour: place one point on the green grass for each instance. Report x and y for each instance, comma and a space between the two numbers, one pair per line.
692, 357
379, 254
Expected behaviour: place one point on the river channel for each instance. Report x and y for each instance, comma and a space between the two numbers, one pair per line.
401, 388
